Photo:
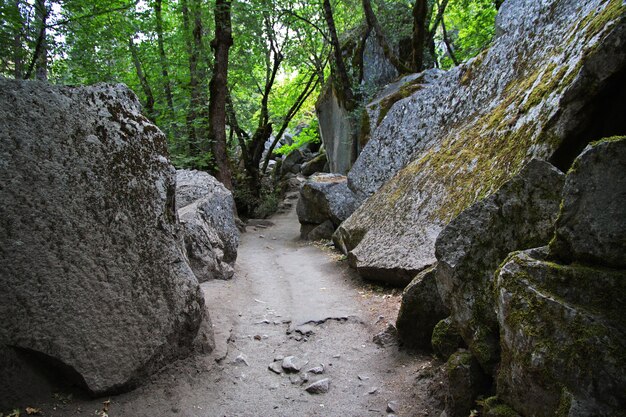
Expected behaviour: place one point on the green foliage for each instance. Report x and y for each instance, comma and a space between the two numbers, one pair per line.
471, 26
309, 134
90, 41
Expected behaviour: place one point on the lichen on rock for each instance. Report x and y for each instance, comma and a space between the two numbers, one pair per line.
430, 158
93, 272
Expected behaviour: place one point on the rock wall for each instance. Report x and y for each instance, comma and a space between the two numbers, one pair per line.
560, 308
339, 127
552, 68
92, 267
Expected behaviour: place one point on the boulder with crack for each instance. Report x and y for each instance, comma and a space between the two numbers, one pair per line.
92, 266
207, 212
520, 215
560, 308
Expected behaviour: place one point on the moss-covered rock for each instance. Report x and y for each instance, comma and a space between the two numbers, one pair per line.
563, 332
458, 139
421, 309
518, 216
446, 338
466, 381
594, 196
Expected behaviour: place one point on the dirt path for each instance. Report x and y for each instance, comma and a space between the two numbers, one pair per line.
288, 298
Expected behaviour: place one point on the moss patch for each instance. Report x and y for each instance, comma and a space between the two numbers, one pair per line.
404, 92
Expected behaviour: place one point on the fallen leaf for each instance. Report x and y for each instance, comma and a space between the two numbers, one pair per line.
32, 411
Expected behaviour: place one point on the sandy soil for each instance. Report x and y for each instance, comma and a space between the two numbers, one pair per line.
288, 298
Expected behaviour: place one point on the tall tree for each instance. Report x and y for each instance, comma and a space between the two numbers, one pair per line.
143, 79
218, 90
39, 60
341, 71
420, 31
158, 12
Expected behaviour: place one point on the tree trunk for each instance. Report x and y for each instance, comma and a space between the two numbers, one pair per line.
218, 90
41, 72
446, 40
191, 112
39, 61
372, 21
420, 11
163, 58
18, 47
142, 79
349, 101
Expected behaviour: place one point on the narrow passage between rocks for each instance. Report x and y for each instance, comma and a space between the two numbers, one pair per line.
291, 305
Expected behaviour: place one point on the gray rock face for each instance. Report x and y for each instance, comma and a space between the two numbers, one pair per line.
377, 70
469, 130
563, 337
324, 198
392, 150
316, 164
594, 196
207, 212
92, 270
420, 311
295, 157
518, 216
563, 331
337, 130
465, 382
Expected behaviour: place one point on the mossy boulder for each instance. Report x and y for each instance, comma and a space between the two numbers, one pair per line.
563, 337
446, 338
560, 308
421, 309
466, 381
593, 198
458, 139
520, 215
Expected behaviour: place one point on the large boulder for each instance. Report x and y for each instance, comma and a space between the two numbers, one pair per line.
594, 197
560, 310
92, 268
324, 198
551, 82
520, 215
207, 212
420, 311
340, 130
563, 337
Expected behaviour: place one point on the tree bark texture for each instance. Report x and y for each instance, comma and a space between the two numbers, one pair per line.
218, 90
420, 11
158, 11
